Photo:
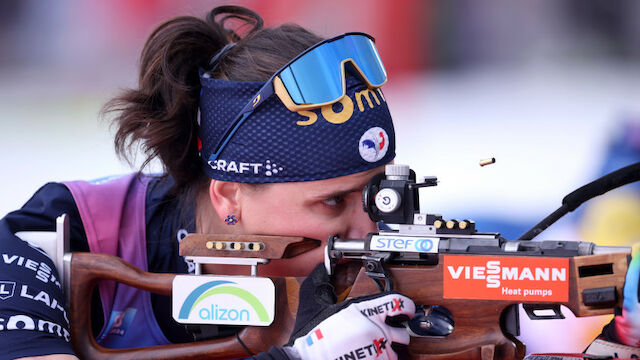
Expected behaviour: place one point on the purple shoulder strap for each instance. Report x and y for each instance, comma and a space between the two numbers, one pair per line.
102, 207
113, 216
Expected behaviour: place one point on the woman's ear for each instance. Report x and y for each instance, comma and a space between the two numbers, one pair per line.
224, 197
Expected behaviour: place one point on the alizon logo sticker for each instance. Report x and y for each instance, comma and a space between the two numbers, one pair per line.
373, 144
228, 300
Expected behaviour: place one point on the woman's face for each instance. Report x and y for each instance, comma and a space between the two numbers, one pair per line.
312, 209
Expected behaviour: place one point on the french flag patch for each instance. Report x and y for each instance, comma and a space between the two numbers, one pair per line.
316, 334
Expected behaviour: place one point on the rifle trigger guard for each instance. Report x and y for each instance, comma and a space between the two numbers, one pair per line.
374, 268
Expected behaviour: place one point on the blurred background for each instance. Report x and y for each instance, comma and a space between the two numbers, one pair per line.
547, 87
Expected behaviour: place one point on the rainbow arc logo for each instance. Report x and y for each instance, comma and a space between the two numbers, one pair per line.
222, 301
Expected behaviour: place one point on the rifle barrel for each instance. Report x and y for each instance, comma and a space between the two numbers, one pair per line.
349, 245
597, 250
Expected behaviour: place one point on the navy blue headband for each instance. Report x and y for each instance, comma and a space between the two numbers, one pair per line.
277, 145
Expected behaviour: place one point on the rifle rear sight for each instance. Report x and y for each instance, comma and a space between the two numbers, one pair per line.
392, 198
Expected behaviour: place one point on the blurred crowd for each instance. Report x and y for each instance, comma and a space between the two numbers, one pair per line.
547, 87
412, 35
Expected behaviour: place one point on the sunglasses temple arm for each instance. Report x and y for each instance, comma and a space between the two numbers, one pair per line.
227, 138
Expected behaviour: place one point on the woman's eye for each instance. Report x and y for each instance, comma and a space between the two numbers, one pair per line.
333, 201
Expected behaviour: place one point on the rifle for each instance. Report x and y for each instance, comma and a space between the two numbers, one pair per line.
423, 259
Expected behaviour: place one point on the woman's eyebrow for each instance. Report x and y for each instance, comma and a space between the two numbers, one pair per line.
336, 193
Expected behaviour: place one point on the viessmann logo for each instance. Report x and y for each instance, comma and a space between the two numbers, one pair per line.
506, 278
492, 272
223, 300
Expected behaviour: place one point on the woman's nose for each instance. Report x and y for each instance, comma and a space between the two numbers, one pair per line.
359, 224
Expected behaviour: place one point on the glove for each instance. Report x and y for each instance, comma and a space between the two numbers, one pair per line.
361, 328
627, 325
365, 327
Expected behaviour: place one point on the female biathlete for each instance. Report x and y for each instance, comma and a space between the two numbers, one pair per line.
258, 135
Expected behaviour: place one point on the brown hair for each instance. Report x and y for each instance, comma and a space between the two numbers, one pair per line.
160, 115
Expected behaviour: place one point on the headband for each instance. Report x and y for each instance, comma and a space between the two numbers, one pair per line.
277, 145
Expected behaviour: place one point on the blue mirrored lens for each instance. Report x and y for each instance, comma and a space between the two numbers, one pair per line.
316, 77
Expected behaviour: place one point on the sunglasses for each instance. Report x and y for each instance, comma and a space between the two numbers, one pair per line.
316, 78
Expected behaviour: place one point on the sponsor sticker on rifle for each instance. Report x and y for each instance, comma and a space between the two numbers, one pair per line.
506, 278
228, 300
404, 243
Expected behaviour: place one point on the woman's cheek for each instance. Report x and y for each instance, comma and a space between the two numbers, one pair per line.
275, 220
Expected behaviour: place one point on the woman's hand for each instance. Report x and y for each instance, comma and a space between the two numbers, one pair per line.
368, 327
363, 328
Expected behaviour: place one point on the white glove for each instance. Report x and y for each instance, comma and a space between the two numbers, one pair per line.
363, 328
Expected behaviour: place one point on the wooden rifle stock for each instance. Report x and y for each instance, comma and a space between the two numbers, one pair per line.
86, 269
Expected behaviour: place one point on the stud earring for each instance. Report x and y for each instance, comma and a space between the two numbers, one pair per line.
231, 220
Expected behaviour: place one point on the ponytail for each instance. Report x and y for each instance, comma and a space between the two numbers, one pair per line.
160, 116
